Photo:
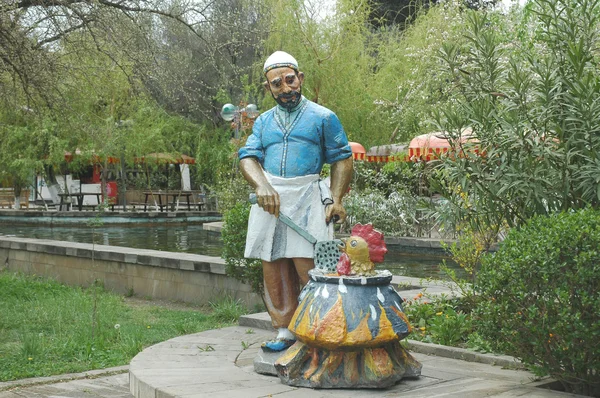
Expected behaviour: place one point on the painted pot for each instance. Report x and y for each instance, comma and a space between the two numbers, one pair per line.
341, 312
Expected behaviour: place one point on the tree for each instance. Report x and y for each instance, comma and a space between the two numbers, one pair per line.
149, 34
394, 12
333, 53
23, 142
83, 68
195, 77
530, 91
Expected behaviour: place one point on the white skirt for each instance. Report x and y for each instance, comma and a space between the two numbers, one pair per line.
303, 199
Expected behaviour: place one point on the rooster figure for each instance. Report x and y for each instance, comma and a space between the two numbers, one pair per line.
361, 251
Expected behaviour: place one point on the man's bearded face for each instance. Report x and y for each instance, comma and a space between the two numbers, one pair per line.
285, 85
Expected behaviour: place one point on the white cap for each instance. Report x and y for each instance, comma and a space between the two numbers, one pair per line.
280, 59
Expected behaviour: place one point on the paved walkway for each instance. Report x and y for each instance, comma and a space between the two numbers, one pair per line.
112, 386
219, 363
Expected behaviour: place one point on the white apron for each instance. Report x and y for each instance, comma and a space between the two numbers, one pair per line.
303, 199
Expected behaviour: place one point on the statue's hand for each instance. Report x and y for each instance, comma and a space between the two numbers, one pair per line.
335, 212
268, 199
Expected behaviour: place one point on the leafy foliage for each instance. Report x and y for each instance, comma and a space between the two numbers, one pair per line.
540, 297
234, 241
393, 215
467, 252
406, 84
438, 321
529, 89
389, 196
390, 177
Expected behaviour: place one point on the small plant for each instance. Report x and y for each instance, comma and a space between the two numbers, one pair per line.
477, 343
467, 252
32, 346
450, 327
206, 348
439, 321
245, 345
250, 331
227, 309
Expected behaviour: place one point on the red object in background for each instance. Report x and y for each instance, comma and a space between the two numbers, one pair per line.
97, 175
430, 146
111, 192
357, 150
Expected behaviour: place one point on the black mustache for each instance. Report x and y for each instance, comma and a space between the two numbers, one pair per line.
290, 95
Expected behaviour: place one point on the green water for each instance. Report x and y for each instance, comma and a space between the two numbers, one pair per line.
193, 239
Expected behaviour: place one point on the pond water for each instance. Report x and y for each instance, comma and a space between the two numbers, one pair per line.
193, 239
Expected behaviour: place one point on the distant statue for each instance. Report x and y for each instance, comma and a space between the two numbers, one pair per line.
282, 160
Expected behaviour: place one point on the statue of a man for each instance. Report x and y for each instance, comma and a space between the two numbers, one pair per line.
282, 160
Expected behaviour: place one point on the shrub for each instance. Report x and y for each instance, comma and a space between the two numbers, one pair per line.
541, 296
440, 321
390, 177
530, 91
234, 241
394, 215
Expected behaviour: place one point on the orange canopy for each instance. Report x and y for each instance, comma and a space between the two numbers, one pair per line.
430, 146
358, 151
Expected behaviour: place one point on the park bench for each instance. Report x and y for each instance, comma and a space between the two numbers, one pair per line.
7, 198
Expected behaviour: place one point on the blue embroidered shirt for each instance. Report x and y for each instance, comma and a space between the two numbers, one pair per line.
297, 142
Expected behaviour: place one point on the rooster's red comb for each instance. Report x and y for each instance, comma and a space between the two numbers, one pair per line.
374, 238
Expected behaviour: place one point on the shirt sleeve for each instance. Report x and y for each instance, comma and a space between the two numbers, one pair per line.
336, 141
254, 147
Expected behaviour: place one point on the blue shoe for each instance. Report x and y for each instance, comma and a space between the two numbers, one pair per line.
277, 345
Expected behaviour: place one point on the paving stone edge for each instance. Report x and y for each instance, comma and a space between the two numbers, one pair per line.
90, 374
261, 321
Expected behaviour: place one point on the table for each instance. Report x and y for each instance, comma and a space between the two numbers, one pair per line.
79, 196
186, 195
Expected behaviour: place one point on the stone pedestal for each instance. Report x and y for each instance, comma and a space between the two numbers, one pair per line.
349, 331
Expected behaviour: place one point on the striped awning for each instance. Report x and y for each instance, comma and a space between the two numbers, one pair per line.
380, 158
427, 147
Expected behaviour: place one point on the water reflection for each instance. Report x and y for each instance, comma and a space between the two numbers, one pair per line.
193, 239
180, 238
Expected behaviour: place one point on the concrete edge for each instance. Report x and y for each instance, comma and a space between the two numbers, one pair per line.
52, 217
90, 374
263, 321
463, 354
155, 258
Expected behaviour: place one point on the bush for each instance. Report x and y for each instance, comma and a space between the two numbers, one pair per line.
440, 321
529, 88
394, 215
541, 296
234, 240
390, 177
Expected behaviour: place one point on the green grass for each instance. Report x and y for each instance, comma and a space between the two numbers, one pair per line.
47, 328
